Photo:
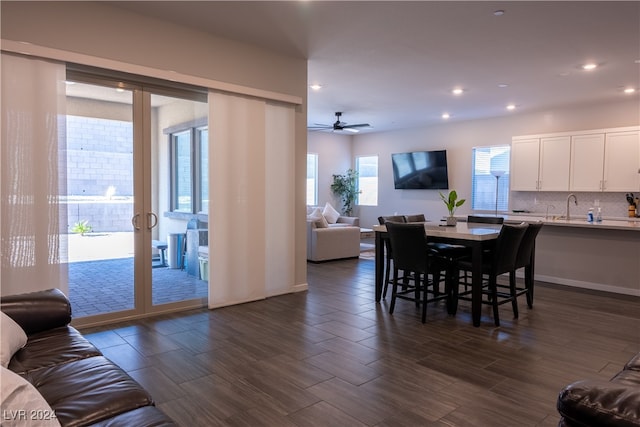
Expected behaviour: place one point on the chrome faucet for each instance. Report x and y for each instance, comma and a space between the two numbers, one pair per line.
575, 200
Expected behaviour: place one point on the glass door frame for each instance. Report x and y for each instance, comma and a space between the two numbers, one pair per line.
143, 221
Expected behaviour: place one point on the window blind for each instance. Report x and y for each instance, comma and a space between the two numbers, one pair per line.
490, 178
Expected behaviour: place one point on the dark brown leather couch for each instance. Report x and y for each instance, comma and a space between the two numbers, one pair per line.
603, 403
81, 385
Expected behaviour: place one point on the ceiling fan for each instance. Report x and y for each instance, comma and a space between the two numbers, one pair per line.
338, 125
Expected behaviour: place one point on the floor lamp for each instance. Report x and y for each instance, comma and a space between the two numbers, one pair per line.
497, 174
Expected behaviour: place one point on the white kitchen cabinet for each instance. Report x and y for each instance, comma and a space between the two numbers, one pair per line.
622, 161
587, 162
606, 162
555, 155
540, 164
525, 157
594, 160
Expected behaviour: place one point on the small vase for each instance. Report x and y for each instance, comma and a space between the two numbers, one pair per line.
452, 221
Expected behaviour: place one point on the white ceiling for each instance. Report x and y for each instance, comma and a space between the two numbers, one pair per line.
393, 64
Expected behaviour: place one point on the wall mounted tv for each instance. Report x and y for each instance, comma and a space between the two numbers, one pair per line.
420, 170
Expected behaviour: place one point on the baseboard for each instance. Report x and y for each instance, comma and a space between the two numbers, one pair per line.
588, 285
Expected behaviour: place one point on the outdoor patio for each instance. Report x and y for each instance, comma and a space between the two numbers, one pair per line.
101, 275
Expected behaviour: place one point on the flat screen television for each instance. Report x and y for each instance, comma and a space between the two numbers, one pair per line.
420, 170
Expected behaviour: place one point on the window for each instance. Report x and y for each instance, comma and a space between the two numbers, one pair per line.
312, 179
490, 174
189, 168
367, 168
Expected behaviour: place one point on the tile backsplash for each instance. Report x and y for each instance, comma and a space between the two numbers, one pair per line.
614, 205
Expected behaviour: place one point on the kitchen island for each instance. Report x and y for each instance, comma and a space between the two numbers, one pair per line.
602, 256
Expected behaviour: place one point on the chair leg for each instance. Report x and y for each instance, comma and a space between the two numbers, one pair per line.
528, 281
425, 298
394, 290
387, 273
416, 282
512, 290
494, 300
452, 283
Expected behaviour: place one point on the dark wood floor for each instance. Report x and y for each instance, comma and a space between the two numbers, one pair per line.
333, 357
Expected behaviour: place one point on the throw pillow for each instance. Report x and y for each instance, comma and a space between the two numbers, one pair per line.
22, 405
330, 213
13, 338
315, 214
322, 222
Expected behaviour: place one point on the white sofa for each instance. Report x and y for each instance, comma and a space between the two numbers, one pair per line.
336, 241
331, 235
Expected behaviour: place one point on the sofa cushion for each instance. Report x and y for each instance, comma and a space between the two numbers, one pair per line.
13, 339
87, 391
319, 220
22, 405
330, 213
52, 347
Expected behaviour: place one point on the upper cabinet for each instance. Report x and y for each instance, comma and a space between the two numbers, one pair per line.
587, 162
540, 164
603, 160
525, 156
622, 161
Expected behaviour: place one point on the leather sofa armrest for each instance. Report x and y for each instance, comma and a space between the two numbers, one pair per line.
351, 220
601, 403
38, 311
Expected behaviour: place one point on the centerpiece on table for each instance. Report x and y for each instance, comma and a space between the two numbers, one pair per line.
452, 203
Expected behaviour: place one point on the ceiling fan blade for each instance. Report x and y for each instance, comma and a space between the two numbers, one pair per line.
348, 129
360, 125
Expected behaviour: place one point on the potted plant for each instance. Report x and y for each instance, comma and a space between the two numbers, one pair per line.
452, 203
345, 187
81, 227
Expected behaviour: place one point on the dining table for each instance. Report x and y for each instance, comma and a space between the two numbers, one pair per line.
476, 236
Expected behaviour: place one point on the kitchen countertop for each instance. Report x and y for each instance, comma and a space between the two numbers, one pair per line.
631, 224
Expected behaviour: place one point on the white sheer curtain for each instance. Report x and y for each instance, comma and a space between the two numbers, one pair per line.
251, 182
33, 168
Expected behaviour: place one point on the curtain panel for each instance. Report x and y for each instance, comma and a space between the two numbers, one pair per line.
252, 188
33, 167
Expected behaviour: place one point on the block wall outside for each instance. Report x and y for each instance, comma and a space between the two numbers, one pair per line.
99, 184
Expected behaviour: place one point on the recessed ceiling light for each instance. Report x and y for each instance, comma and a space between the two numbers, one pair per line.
315, 86
590, 66
503, 85
445, 115
457, 91
499, 12
511, 107
629, 90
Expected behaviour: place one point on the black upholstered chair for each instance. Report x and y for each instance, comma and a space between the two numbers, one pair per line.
465, 279
525, 259
415, 218
389, 254
485, 219
501, 260
411, 254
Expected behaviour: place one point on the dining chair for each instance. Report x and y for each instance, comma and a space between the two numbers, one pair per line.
389, 254
465, 279
485, 219
501, 260
412, 254
525, 259
415, 218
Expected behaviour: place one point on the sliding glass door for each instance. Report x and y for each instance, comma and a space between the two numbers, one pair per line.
127, 234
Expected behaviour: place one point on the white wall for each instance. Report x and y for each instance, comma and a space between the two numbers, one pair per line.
458, 138
334, 158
